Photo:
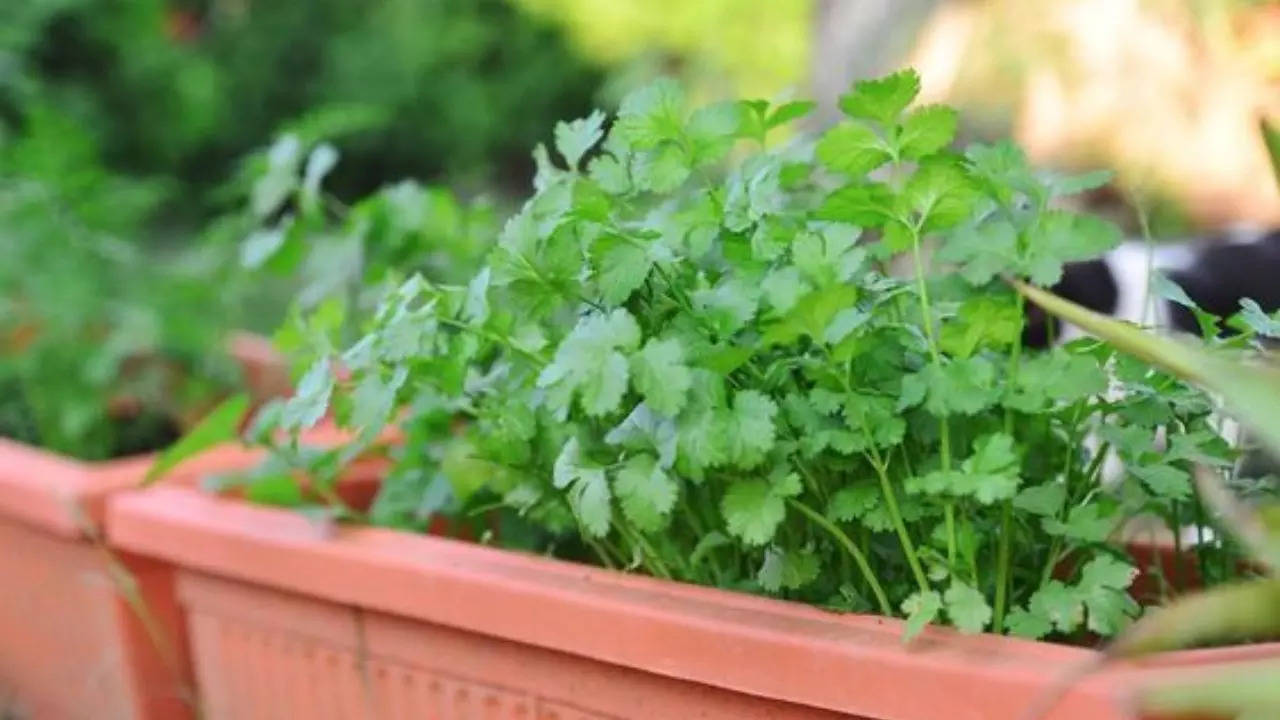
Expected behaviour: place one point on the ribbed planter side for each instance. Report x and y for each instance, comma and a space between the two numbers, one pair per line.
88, 631
291, 620
73, 644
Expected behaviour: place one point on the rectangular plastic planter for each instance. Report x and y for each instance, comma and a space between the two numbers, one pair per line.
72, 642
289, 620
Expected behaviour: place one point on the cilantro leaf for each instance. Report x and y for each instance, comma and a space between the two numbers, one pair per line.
753, 509
575, 138
1027, 624
940, 193
964, 386
827, 257
661, 376
310, 400
645, 492
1166, 288
992, 469
1055, 377
926, 131
1061, 237
852, 149
1164, 481
1087, 523
967, 608
1257, 320
728, 306
1045, 499
749, 429
610, 173
783, 287
1058, 605
853, 502
789, 111
622, 265
1103, 586
591, 363
662, 169
587, 486
812, 314
652, 114
921, 609
866, 204
788, 569
982, 251
983, 321
882, 99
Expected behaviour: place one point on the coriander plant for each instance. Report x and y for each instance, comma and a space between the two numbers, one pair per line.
688, 354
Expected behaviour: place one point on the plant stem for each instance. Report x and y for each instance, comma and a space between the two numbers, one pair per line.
843, 540
926, 318
891, 501
492, 337
1002, 567
1006, 510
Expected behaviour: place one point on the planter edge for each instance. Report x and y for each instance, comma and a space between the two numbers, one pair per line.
758, 646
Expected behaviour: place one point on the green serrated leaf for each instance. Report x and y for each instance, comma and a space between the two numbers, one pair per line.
661, 376
882, 99
1045, 499
1058, 605
967, 608
852, 149
926, 131
753, 511
1024, 623
1164, 481
787, 569
921, 608
646, 493
783, 287
652, 114
575, 138
622, 265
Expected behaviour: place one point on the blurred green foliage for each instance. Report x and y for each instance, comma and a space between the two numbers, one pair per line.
100, 353
185, 87
120, 124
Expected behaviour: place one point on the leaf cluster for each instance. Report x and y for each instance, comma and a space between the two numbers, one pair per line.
687, 354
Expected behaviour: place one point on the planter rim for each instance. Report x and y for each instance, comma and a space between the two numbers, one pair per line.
67, 497
769, 648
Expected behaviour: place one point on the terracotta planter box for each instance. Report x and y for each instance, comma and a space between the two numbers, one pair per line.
72, 641
72, 644
287, 621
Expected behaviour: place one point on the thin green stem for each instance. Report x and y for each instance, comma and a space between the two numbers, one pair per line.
493, 337
891, 502
926, 317
1002, 567
1006, 511
843, 540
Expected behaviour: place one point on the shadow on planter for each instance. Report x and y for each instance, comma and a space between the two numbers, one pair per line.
288, 621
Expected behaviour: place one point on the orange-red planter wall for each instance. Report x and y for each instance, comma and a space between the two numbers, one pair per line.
290, 620
71, 642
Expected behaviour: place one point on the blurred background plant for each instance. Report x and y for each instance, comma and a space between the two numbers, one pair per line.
101, 354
